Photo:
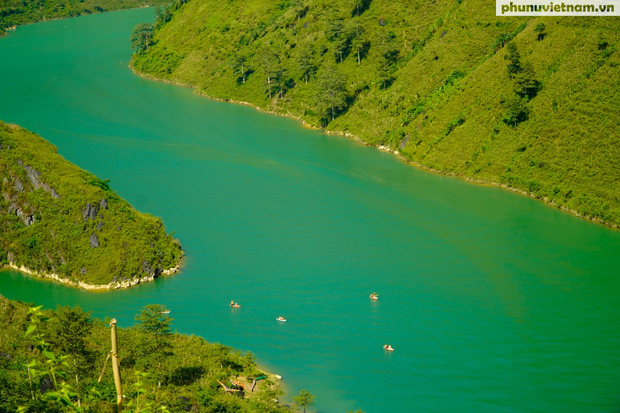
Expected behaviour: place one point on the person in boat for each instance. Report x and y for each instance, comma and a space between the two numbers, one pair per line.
232, 303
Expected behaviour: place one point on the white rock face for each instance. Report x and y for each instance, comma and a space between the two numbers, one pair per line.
80, 284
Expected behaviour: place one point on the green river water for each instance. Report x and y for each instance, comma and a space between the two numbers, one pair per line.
494, 302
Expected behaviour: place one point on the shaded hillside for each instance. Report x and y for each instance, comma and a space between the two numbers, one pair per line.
51, 361
532, 104
57, 218
17, 12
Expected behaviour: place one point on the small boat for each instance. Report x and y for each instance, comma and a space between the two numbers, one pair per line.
164, 312
388, 347
374, 296
235, 305
281, 319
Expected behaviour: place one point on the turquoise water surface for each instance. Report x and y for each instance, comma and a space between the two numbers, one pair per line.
494, 302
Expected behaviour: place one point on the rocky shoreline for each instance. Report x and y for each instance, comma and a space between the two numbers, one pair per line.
114, 285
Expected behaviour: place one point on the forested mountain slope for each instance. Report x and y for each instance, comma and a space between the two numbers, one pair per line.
529, 103
59, 219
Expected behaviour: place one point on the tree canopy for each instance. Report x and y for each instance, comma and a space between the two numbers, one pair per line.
331, 95
141, 37
304, 399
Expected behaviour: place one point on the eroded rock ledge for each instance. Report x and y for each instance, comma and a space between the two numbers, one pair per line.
114, 285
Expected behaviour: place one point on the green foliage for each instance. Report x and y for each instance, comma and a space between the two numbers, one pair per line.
18, 12
50, 210
72, 327
385, 44
540, 29
300, 7
272, 69
356, 33
304, 399
304, 61
141, 37
37, 373
514, 59
331, 91
525, 81
155, 323
516, 111
238, 64
403, 83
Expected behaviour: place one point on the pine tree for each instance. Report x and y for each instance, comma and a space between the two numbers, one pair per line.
332, 91
304, 61
155, 322
514, 59
141, 37
356, 33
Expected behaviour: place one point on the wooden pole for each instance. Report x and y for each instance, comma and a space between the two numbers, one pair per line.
115, 368
104, 366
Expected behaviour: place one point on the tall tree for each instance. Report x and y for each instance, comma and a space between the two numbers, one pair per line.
300, 7
525, 81
141, 37
355, 32
162, 16
304, 61
540, 29
72, 327
385, 44
332, 91
279, 80
270, 63
334, 29
304, 399
514, 59
156, 323
516, 110
358, 6
238, 62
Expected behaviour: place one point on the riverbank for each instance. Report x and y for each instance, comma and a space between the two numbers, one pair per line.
159, 366
114, 285
23, 13
401, 157
433, 107
63, 223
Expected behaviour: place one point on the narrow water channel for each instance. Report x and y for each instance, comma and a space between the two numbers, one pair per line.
494, 302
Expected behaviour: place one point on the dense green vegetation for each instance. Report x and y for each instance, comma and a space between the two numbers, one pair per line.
17, 12
529, 103
50, 361
57, 218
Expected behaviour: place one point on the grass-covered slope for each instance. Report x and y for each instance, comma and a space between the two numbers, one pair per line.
17, 12
65, 352
59, 219
432, 80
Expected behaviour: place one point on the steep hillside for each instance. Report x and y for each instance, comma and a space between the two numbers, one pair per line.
532, 104
59, 219
51, 361
16, 12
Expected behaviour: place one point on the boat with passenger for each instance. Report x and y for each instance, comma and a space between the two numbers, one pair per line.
281, 319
